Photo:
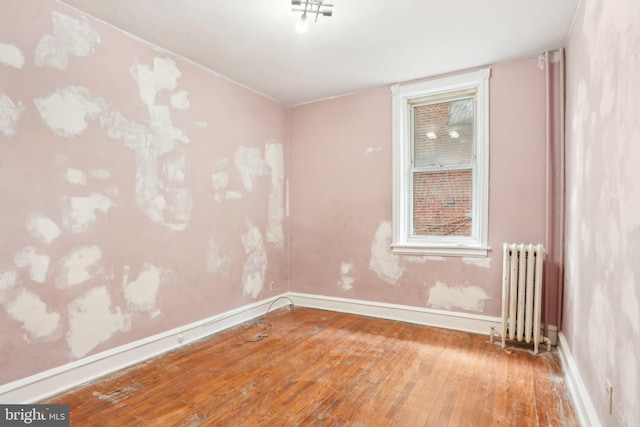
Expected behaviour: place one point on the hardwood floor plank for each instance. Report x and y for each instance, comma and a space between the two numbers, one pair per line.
331, 369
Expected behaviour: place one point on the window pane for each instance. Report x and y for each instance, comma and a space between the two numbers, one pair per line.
443, 133
442, 203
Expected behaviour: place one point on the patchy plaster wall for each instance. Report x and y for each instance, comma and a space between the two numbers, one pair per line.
341, 199
601, 314
139, 192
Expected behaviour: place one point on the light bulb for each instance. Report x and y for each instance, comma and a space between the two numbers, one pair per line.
303, 24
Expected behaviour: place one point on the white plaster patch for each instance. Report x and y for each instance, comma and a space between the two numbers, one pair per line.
67, 110
220, 180
34, 315
9, 115
80, 266
201, 125
274, 158
149, 196
250, 165
215, 259
158, 193
80, 212
384, 262
477, 261
176, 168
132, 134
70, 37
8, 280
143, 75
554, 57
177, 212
346, 280
371, 150
11, 56
42, 228
78, 36
76, 176
469, 298
148, 193
166, 73
164, 132
80, 177
100, 174
141, 293
150, 81
50, 53
255, 266
233, 195
35, 261
92, 322
180, 100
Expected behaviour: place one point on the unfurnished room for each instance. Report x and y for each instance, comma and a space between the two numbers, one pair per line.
319, 212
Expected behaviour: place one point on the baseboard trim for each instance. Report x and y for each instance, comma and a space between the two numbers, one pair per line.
51, 382
418, 315
45, 384
582, 402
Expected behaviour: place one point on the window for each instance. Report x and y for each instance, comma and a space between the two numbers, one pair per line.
441, 166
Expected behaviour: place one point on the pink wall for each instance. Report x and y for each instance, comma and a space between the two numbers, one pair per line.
139, 192
601, 316
341, 199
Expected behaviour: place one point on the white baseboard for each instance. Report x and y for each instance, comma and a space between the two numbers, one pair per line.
404, 313
48, 383
581, 401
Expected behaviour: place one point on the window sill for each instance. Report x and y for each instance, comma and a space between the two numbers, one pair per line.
443, 250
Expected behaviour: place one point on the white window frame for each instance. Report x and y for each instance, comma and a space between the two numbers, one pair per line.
403, 241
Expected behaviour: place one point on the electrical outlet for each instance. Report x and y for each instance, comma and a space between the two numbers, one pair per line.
609, 396
272, 286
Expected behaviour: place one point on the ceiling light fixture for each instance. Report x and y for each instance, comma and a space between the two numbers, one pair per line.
312, 7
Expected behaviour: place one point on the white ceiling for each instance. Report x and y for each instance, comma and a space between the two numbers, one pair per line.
365, 44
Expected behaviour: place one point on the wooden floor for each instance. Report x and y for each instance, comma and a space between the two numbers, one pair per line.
331, 369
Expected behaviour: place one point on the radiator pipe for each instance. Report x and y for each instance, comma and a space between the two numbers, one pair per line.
548, 192
561, 188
